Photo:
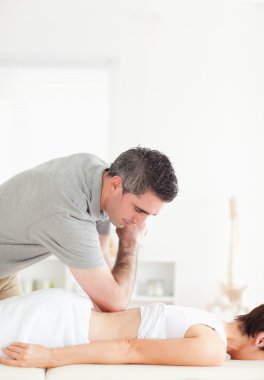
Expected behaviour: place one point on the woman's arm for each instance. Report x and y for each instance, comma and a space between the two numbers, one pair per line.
195, 351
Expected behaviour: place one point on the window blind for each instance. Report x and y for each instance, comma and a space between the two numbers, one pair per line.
47, 112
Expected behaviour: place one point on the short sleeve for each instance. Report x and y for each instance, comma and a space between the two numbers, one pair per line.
75, 242
103, 227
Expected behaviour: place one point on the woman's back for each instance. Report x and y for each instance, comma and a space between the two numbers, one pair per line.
155, 321
117, 325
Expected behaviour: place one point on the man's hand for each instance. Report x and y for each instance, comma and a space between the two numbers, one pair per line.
131, 235
111, 290
27, 355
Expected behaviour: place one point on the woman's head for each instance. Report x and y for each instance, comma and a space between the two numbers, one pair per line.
251, 326
252, 323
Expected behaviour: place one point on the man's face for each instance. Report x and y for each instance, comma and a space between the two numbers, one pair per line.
127, 208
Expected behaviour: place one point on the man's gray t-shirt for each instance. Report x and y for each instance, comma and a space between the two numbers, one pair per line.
53, 208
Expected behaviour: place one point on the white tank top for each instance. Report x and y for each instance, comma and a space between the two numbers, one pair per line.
51, 317
160, 321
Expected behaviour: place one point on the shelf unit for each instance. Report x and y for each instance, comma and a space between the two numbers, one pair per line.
155, 279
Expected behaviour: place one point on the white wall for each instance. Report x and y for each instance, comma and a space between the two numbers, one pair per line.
204, 98
187, 80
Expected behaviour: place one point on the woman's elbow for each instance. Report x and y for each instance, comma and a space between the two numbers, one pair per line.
214, 357
219, 358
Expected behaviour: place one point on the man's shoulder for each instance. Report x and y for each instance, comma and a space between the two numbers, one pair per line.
85, 156
76, 159
77, 164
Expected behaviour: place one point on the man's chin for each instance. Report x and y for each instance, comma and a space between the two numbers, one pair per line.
118, 225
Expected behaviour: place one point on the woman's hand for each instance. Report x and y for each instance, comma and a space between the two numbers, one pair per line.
27, 355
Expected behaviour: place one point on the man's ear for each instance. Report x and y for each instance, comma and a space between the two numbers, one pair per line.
116, 182
259, 339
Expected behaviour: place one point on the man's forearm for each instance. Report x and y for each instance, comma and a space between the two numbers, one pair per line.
124, 270
105, 246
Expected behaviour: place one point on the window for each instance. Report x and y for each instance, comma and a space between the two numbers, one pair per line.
51, 111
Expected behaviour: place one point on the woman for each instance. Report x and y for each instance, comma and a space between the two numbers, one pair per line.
60, 328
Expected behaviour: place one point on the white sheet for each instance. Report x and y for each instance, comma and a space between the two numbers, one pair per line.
231, 370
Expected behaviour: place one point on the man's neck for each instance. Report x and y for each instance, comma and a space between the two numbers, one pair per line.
104, 191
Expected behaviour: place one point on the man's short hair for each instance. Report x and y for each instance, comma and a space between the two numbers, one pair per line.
144, 169
252, 323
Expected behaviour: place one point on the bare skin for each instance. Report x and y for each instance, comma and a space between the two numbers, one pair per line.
110, 288
242, 347
111, 326
125, 325
113, 341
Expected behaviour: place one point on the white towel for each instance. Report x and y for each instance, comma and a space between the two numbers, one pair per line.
51, 317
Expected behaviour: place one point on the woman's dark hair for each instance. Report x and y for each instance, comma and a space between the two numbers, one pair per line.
252, 323
144, 169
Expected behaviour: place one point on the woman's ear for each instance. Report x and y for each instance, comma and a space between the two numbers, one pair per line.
259, 339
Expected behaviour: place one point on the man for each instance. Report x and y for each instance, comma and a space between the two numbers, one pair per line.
60, 206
